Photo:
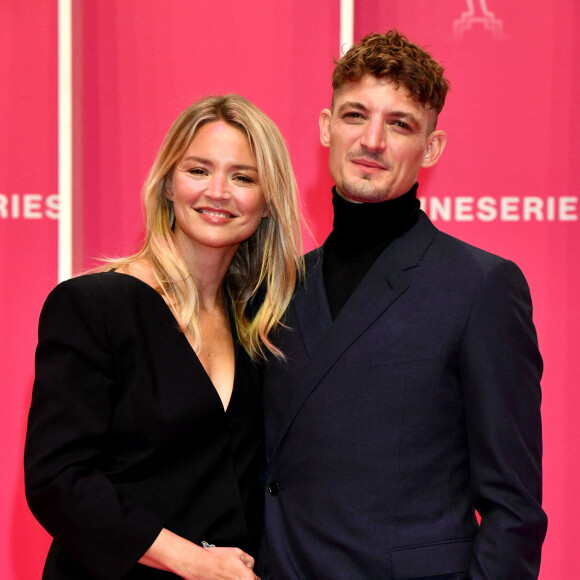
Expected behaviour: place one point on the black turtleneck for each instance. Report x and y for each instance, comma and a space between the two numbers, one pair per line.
361, 231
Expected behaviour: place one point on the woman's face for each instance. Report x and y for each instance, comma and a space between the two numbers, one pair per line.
216, 192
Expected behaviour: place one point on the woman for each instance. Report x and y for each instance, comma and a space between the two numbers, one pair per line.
144, 438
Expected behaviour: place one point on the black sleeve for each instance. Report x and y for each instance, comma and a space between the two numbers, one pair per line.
71, 408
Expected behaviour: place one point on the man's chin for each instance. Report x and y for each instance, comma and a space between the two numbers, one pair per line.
365, 192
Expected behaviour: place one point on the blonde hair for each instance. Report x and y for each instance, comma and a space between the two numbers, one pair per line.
267, 267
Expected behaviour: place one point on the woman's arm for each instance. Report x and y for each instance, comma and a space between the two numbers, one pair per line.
74, 391
173, 553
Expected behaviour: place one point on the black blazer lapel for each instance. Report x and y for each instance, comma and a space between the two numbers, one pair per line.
325, 340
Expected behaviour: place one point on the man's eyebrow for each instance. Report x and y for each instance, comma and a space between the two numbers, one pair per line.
403, 115
352, 105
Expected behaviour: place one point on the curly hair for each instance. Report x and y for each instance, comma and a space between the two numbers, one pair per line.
393, 57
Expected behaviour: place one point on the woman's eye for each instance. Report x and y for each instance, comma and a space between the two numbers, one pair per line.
243, 179
196, 171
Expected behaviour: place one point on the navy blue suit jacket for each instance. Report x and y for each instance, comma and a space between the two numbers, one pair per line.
387, 427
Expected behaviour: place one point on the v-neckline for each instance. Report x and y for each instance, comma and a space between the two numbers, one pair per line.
189, 347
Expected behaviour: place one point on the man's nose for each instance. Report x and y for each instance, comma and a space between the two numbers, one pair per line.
374, 136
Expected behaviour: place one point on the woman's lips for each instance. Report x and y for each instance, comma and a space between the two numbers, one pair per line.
215, 216
217, 213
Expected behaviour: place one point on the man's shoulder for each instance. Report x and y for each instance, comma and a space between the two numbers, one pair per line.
460, 249
451, 254
450, 242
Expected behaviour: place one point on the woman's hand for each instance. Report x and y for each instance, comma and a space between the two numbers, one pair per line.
222, 563
173, 553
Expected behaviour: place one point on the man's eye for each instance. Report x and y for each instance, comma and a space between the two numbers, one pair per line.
353, 115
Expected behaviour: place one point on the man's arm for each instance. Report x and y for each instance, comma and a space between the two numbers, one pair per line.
500, 370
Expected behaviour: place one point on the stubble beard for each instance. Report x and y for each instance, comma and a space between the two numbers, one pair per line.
362, 191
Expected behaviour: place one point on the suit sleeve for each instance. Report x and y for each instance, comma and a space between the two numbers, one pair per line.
71, 408
500, 370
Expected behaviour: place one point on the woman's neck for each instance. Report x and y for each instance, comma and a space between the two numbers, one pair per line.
208, 268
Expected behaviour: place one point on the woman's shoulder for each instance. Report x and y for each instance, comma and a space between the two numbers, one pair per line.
109, 281
135, 275
111, 298
109, 287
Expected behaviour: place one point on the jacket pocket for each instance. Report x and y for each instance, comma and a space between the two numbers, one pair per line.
432, 560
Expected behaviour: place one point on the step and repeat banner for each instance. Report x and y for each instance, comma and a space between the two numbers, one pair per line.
28, 259
505, 182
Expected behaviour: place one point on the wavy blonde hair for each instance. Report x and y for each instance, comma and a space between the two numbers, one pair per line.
267, 267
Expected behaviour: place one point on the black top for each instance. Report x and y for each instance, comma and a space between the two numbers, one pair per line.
361, 231
127, 434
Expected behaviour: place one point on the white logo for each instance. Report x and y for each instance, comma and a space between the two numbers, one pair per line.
28, 206
478, 14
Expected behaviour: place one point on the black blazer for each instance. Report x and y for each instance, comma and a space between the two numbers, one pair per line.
127, 435
386, 428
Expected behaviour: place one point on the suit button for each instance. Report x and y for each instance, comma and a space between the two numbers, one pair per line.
274, 488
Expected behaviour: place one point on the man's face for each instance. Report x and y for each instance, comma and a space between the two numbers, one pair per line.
378, 138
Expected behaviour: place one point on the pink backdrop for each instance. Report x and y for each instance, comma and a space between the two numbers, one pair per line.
28, 236
504, 183
512, 120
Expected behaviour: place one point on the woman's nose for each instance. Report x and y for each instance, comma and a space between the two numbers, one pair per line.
219, 187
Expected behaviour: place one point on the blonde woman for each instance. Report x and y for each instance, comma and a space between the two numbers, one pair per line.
144, 439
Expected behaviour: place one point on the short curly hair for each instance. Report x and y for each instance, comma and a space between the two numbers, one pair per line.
393, 57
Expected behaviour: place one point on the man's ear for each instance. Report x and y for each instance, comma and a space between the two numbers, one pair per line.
435, 146
324, 124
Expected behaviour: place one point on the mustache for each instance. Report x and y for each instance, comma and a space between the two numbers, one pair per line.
364, 153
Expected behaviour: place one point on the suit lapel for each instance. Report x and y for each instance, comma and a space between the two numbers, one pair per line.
325, 341
310, 305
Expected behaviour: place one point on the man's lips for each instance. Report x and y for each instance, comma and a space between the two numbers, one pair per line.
367, 163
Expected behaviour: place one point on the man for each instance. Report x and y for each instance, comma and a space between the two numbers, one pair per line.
410, 393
